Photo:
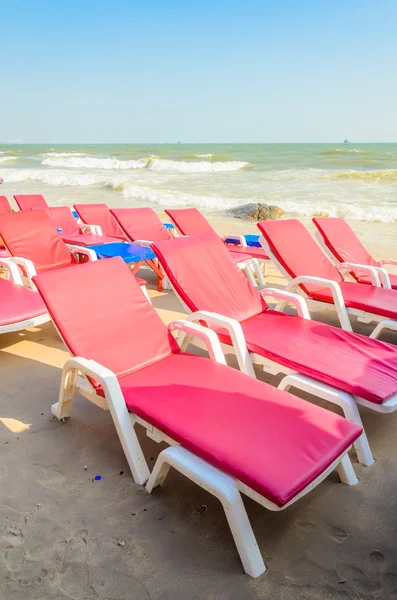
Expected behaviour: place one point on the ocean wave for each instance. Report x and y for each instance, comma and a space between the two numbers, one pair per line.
173, 198
196, 167
62, 154
198, 156
369, 176
357, 212
373, 176
155, 164
89, 162
7, 158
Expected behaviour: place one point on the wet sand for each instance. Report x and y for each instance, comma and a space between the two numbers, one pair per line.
64, 535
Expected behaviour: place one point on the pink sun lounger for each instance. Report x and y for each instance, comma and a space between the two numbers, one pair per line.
5, 206
30, 202
343, 246
228, 432
100, 215
190, 221
336, 365
74, 233
301, 260
20, 307
35, 246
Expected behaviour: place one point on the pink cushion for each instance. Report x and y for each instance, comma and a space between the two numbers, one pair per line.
117, 327
141, 224
341, 240
248, 250
3, 251
18, 303
189, 221
63, 218
99, 214
32, 235
378, 301
348, 361
30, 201
204, 275
4, 205
297, 252
274, 442
87, 239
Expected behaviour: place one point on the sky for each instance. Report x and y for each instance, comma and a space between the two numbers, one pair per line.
207, 71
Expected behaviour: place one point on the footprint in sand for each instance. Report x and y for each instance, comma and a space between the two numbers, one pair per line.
74, 568
306, 526
336, 533
374, 582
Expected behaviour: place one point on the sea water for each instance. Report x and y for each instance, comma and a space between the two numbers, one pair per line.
356, 181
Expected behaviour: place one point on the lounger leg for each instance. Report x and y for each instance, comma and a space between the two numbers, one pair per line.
249, 270
384, 325
258, 272
63, 408
346, 471
222, 487
345, 401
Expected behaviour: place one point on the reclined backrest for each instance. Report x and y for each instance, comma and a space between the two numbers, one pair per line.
340, 238
297, 251
102, 315
32, 235
206, 278
30, 201
141, 224
189, 221
63, 219
99, 214
4, 205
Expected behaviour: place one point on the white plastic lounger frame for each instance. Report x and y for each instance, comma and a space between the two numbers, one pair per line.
250, 266
339, 306
347, 402
227, 489
243, 242
14, 276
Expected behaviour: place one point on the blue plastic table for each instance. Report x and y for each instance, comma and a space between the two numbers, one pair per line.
130, 253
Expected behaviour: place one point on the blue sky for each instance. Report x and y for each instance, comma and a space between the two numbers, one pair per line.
207, 71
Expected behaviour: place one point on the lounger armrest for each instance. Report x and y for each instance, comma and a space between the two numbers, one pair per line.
238, 238
88, 228
83, 250
387, 261
27, 268
347, 267
13, 273
145, 243
235, 332
336, 292
298, 301
90, 368
207, 335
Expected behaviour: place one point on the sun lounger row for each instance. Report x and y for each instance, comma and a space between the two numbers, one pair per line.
227, 431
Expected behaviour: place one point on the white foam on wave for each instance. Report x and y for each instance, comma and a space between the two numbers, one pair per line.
174, 198
89, 162
384, 213
56, 177
182, 166
203, 155
7, 158
62, 154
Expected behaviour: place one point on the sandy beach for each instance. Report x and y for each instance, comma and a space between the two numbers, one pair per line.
64, 535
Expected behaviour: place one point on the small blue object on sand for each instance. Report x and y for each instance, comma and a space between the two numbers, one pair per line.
130, 253
97, 477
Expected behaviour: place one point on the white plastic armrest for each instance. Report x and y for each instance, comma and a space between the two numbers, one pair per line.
91, 368
210, 338
88, 228
373, 271
26, 265
83, 250
235, 331
337, 296
238, 238
387, 261
145, 243
13, 273
298, 301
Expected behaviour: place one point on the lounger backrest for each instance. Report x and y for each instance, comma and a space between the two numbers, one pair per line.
63, 219
30, 201
340, 238
189, 221
4, 205
32, 235
297, 251
103, 315
206, 278
141, 224
99, 214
